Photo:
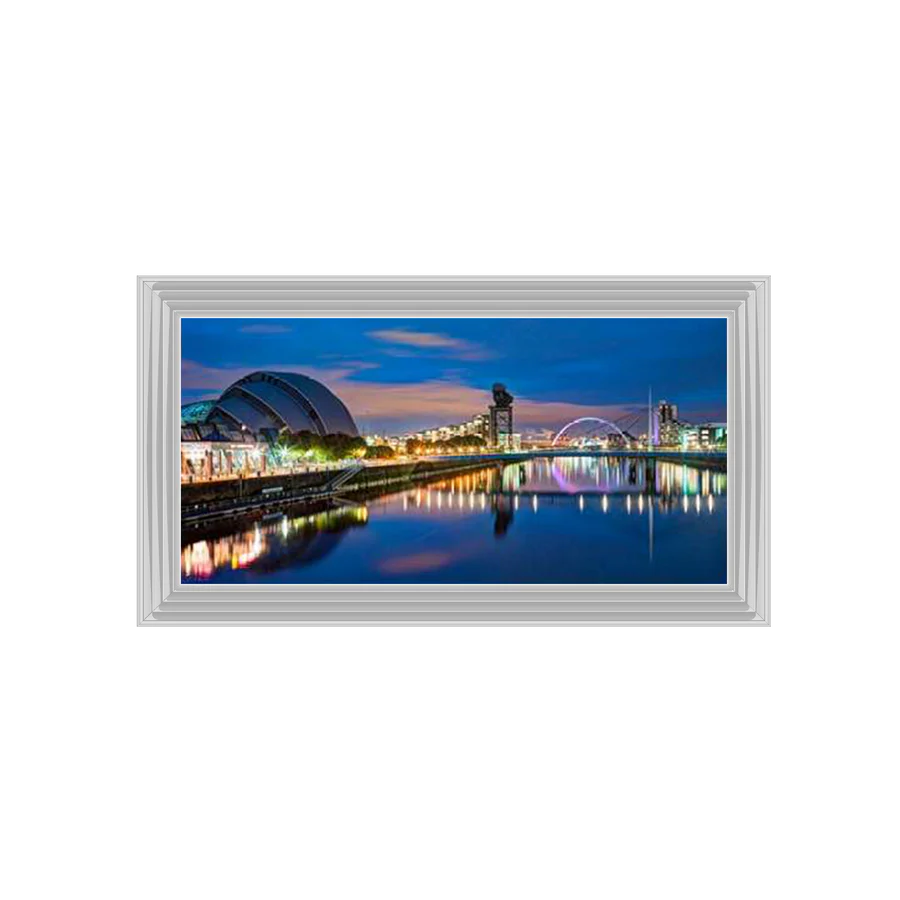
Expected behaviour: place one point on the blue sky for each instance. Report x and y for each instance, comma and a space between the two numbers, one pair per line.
405, 374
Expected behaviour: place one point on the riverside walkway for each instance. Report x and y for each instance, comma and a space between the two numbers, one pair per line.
202, 502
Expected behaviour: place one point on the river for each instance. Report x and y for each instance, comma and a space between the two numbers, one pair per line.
565, 520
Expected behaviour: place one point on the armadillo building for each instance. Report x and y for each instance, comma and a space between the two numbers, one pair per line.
229, 435
279, 400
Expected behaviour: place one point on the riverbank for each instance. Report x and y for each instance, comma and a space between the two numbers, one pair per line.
215, 500
208, 501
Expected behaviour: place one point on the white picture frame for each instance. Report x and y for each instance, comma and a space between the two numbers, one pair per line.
162, 599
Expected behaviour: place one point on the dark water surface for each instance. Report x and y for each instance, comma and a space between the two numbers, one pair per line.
577, 520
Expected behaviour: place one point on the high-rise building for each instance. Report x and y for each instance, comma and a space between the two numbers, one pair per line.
667, 417
501, 413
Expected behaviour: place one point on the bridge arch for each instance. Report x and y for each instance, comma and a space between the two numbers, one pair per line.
565, 428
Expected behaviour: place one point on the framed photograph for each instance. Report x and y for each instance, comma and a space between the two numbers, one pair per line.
453, 452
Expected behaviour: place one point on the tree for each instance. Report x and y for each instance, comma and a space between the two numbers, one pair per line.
303, 445
342, 446
358, 448
319, 448
466, 442
282, 450
379, 451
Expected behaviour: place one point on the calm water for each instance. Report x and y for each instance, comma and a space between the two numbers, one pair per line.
564, 520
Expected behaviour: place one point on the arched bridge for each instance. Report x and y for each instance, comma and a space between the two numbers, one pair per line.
584, 419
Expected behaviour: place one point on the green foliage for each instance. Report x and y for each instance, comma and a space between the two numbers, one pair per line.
281, 454
463, 443
305, 445
379, 452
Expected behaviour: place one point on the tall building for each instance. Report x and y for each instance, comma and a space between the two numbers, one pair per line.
667, 417
501, 412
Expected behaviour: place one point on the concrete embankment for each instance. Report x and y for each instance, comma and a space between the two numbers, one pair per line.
212, 500
208, 501
378, 476
249, 489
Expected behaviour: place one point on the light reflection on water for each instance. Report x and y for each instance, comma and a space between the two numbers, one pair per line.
302, 534
587, 520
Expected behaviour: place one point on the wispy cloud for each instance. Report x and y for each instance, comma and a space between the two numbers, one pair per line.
357, 365
196, 376
416, 338
430, 341
266, 329
402, 353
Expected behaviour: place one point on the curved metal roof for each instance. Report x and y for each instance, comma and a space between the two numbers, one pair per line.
283, 400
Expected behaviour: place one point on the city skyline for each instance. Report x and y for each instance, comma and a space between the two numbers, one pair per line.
405, 375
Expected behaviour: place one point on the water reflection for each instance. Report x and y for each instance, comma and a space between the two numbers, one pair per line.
299, 540
503, 510
579, 475
575, 495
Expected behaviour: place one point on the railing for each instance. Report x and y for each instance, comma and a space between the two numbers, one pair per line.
303, 468
344, 476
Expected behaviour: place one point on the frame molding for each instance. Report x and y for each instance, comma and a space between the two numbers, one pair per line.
163, 600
